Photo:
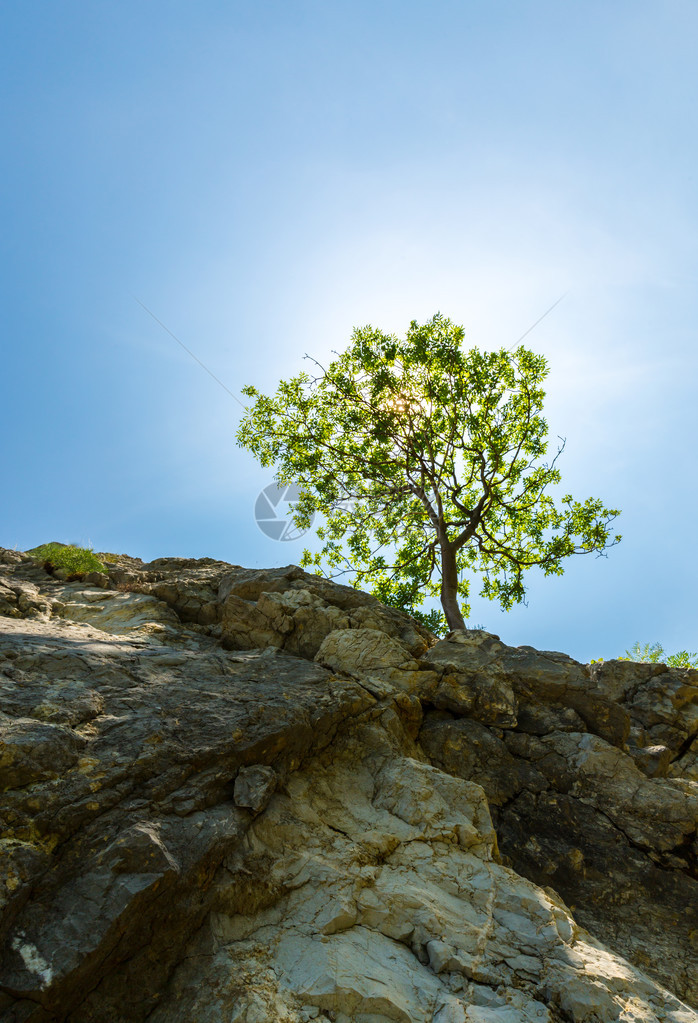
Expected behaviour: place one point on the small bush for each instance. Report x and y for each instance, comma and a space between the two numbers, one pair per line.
653, 653
76, 561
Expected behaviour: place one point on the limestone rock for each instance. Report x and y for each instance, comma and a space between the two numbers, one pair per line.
469, 749
374, 910
285, 608
484, 698
34, 751
372, 655
20, 596
257, 796
254, 787
114, 825
115, 612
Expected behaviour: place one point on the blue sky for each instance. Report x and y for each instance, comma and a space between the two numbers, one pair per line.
264, 177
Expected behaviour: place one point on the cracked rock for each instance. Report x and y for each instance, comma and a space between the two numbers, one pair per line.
260, 797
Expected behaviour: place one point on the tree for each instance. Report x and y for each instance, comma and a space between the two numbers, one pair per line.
424, 460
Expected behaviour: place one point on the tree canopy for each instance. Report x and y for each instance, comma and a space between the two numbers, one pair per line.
426, 462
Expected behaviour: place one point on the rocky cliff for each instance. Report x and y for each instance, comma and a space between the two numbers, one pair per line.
257, 796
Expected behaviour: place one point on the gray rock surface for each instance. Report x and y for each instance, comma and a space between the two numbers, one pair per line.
254, 787
257, 796
592, 792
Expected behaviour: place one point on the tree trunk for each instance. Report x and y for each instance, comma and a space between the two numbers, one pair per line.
449, 587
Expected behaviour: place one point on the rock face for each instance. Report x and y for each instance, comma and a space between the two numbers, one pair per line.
244, 796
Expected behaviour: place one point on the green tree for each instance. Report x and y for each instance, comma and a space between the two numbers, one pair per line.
425, 461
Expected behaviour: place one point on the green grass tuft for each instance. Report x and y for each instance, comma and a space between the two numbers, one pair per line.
74, 560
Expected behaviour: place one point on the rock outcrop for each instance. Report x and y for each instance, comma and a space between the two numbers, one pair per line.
258, 796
